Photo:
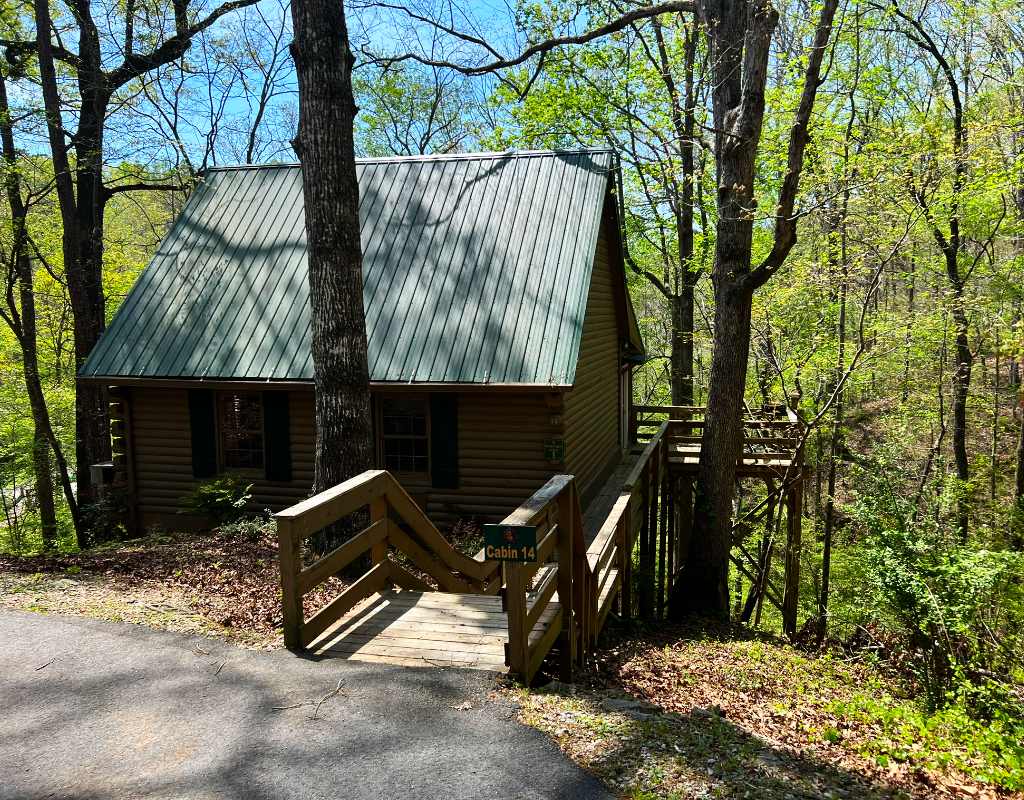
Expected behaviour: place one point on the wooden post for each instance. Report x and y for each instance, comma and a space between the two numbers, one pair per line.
791, 599
518, 637
379, 511
291, 600
670, 503
565, 582
581, 587
663, 544
645, 542
626, 564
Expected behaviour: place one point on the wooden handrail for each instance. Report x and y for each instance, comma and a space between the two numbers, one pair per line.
634, 476
556, 507
379, 490
319, 511
407, 509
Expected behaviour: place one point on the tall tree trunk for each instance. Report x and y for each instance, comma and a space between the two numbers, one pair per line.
963, 360
993, 467
950, 243
92, 411
325, 146
1018, 492
910, 322
681, 358
836, 439
22, 320
740, 41
680, 291
703, 583
70, 242
82, 214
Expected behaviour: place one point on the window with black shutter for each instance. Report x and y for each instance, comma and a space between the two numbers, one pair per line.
247, 433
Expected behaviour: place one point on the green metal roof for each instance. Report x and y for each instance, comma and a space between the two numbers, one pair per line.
475, 269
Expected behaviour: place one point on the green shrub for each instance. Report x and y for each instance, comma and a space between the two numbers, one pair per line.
250, 529
954, 609
106, 518
219, 500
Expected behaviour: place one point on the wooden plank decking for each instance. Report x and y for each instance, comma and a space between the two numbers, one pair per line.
425, 629
601, 506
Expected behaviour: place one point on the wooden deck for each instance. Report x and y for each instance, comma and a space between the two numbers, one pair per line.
586, 559
601, 506
423, 629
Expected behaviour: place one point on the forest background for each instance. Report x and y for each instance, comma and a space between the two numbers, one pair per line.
895, 326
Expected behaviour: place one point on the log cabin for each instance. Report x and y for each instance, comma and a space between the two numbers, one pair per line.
501, 335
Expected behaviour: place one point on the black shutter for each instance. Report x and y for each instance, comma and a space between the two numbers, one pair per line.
444, 440
277, 442
203, 425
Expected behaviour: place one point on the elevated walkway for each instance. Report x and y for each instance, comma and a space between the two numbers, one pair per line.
506, 616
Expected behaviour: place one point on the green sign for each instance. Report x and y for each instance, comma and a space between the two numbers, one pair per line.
554, 449
510, 542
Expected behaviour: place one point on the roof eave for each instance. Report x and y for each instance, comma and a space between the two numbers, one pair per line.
307, 385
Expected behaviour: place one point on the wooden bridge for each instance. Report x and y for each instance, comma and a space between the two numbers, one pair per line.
620, 555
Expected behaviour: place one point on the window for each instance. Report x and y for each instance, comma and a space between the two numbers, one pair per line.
404, 429
241, 431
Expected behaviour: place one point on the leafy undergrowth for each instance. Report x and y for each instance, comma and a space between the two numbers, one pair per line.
749, 717
202, 583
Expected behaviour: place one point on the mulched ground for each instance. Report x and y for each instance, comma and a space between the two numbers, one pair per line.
188, 582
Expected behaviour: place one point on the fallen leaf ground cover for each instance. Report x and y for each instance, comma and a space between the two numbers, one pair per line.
721, 711
207, 583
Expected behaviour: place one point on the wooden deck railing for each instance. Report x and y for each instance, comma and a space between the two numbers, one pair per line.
772, 449
453, 571
638, 521
560, 568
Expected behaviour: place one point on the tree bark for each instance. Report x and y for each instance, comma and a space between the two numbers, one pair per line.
679, 291
739, 34
22, 321
961, 386
1018, 492
325, 146
835, 443
950, 243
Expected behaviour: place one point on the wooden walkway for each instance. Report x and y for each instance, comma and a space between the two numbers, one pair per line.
601, 506
417, 629
508, 617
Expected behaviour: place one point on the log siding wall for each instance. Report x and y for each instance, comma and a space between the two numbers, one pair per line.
591, 415
162, 456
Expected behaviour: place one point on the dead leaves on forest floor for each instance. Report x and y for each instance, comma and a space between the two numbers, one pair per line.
198, 583
745, 716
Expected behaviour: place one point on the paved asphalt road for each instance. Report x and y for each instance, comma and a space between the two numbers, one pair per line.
94, 709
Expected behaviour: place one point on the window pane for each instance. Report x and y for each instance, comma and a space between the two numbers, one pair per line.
241, 431
404, 428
